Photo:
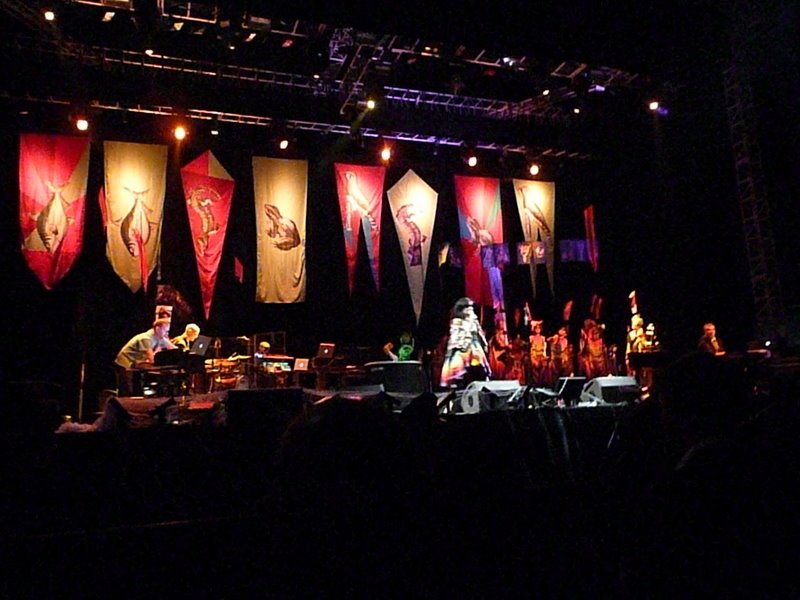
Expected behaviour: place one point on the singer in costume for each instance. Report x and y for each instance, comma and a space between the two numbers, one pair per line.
466, 355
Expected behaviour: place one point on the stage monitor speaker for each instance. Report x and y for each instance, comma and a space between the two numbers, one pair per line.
611, 390
398, 376
482, 396
569, 389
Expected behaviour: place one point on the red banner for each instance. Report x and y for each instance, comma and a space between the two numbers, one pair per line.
360, 192
591, 238
53, 170
208, 189
480, 219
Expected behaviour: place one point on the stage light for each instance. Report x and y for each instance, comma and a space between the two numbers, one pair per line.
109, 14
180, 132
545, 92
386, 151
576, 110
81, 124
49, 15
371, 104
283, 144
472, 160
534, 169
149, 51
653, 105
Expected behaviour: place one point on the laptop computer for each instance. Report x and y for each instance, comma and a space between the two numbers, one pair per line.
301, 364
200, 346
325, 350
168, 358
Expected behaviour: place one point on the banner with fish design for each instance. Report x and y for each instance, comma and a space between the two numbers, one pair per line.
360, 190
208, 189
536, 202
413, 203
480, 220
53, 170
281, 194
135, 185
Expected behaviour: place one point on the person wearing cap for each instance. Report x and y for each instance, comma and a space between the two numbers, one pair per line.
185, 340
140, 351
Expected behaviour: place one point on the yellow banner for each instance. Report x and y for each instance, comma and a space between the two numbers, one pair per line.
536, 201
280, 192
135, 185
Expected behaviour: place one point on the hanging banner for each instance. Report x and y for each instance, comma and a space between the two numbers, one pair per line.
135, 184
536, 205
208, 189
413, 203
281, 194
53, 170
360, 191
573, 251
480, 221
591, 239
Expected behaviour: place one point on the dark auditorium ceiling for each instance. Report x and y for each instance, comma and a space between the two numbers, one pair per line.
459, 75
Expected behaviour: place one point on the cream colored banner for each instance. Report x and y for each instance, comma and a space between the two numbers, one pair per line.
135, 185
536, 201
281, 191
413, 203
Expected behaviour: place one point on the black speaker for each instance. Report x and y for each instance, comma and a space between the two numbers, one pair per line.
398, 376
482, 396
611, 390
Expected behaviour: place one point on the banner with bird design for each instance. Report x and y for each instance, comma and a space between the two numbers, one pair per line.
208, 189
480, 220
281, 194
135, 185
536, 202
360, 190
413, 203
53, 170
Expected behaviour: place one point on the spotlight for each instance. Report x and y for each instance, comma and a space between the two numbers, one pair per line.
283, 144
81, 124
180, 132
534, 169
149, 51
472, 160
371, 104
386, 151
576, 110
49, 15
654, 105
545, 92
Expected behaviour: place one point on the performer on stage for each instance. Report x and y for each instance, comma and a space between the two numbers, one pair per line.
140, 351
594, 356
500, 349
562, 354
710, 342
405, 351
540, 363
185, 340
466, 358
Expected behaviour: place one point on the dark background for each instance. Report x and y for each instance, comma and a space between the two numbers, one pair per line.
667, 215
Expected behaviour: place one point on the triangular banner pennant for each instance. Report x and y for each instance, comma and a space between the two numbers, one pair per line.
413, 203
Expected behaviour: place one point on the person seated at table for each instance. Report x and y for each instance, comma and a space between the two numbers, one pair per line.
185, 340
140, 351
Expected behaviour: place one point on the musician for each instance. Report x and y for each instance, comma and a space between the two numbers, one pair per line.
594, 356
561, 354
185, 340
710, 342
405, 351
540, 363
465, 359
140, 351
499, 349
